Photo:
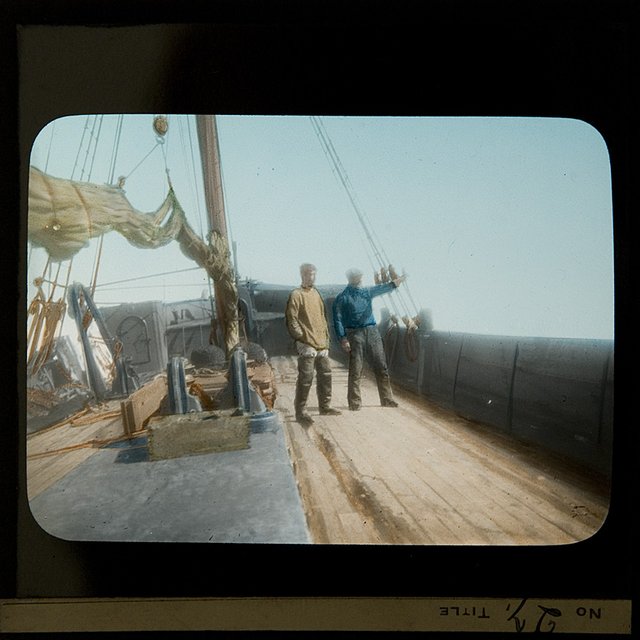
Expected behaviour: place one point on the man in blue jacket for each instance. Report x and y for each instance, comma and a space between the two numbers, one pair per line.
359, 336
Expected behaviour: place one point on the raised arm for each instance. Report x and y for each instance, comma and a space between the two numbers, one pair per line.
381, 289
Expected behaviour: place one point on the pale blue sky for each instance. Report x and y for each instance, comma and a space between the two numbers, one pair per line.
504, 225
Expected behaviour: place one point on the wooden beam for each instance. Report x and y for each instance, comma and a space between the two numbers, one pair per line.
142, 404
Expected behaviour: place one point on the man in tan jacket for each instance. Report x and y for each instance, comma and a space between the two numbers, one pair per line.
307, 325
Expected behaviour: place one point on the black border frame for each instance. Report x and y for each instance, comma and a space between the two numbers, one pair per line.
560, 58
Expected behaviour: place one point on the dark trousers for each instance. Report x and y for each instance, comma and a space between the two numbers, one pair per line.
306, 366
366, 343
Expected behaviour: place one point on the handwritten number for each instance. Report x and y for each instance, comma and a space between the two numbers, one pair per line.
521, 622
556, 613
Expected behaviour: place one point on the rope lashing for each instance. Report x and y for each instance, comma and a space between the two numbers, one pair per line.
47, 315
410, 340
411, 344
117, 352
390, 339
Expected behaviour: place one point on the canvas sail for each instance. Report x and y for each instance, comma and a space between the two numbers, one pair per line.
64, 215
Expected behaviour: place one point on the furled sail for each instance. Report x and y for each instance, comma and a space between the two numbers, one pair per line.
64, 215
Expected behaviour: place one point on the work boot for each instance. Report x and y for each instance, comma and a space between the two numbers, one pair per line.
354, 407
305, 420
389, 403
330, 411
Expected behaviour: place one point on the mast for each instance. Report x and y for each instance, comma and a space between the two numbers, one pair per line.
226, 331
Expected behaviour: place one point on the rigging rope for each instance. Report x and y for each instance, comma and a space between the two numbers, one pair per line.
84, 131
96, 264
93, 139
344, 179
164, 158
191, 169
53, 129
339, 172
66, 287
160, 126
334, 170
153, 275
155, 146
116, 148
112, 167
375, 245
95, 148
88, 149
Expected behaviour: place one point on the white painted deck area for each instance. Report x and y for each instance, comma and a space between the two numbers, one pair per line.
411, 475
419, 475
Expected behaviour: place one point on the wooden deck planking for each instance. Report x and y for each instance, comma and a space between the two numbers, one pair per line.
422, 500
424, 476
551, 482
387, 492
392, 447
57, 450
371, 498
42, 473
383, 511
308, 467
393, 477
331, 517
519, 484
456, 475
362, 460
330, 514
412, 475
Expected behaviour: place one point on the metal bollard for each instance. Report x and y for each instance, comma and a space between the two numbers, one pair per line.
180, 400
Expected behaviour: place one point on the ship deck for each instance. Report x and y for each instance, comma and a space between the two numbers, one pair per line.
418, 474
415, 474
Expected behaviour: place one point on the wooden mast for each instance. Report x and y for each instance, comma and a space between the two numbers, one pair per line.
226, 295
